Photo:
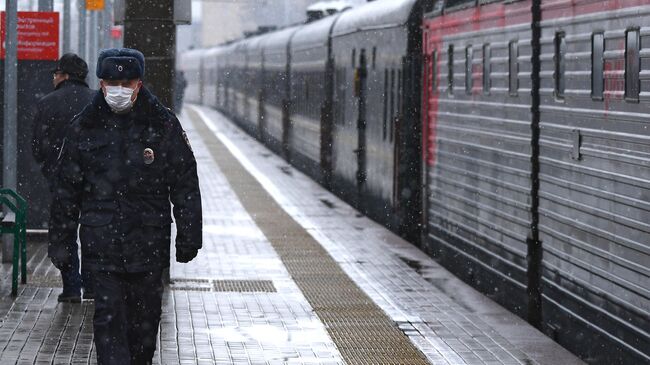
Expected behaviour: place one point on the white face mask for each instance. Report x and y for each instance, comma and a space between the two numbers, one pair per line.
119, 98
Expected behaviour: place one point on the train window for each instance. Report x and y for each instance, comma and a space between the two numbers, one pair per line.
513, 68
340, 94
374, 57
597, 63
354, 58
435, 6
469, 78
398, 100
434, 71
392, 104
487, 69
560, 65
450, 72
385, 103
459, 3
632, 83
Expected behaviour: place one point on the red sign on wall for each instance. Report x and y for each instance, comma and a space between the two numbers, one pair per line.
116, 32
38, 36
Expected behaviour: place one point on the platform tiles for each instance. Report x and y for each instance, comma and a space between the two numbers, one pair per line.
251, 298
447, 320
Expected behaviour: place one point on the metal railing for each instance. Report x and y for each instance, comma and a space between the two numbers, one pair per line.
14, 222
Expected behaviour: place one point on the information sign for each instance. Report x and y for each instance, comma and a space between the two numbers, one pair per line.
38, 35
94, 4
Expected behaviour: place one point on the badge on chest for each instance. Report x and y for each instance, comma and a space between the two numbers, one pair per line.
148, 156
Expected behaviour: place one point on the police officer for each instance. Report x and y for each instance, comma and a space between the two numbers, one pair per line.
125, 159
53, 115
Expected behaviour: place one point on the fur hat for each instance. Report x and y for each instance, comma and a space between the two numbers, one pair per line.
72, 65
120, 64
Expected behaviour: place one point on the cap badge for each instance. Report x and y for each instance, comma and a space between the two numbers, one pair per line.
120, 68
149, 156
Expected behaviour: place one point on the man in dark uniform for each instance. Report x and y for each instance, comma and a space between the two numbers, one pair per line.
124, 160
53, 115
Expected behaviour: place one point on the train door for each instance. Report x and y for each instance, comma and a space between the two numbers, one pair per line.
201, 81
261, 101
287, 106
245, 89
396, 105
408, 138
360, 83
429, 115
327, 125
286, 119
226, 93
217, 87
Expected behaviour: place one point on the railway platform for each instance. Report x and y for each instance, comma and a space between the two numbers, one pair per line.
288, 274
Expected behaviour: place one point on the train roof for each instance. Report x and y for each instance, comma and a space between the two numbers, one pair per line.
325, 6
214, 51
279, 39
192, 58
254, 44
315, 33
375, 14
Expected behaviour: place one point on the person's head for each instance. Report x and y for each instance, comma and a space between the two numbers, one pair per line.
120, 71
70, 66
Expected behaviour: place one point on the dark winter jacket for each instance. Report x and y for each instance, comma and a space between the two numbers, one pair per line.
117, 176
53, 115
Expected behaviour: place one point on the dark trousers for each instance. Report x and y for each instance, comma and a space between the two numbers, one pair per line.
127, 313
72, 280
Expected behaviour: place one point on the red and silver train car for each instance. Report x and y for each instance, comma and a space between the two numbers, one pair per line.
536, 163
478, 143
594, 192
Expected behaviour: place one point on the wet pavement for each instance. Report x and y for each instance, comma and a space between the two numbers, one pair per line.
237, 303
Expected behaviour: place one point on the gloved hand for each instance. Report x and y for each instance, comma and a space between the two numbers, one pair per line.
60, 256
184, 254
60, 263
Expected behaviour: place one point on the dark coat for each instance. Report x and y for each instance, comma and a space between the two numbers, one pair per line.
53, 115
118, 174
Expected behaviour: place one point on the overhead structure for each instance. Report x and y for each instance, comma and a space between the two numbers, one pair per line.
159, 47
10, 127
182, 11
45, 5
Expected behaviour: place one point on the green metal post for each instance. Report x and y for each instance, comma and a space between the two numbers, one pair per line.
23, 251
14, 273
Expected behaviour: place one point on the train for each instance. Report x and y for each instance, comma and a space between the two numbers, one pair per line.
508, 139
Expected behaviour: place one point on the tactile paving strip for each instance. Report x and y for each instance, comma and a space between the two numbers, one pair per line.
362, 332
44, 282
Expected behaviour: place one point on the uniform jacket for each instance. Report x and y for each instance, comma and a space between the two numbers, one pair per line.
53, 115
117, 177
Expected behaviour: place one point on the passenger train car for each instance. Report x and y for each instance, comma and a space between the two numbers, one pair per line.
594, 176
508, 138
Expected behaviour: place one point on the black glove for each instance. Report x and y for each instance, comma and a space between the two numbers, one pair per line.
60, 256
61, 265
184, 254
